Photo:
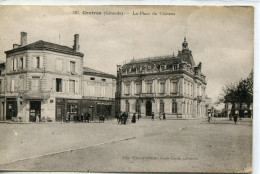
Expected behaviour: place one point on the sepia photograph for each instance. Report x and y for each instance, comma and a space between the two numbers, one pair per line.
126, 88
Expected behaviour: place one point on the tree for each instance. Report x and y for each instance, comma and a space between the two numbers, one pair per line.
239, 92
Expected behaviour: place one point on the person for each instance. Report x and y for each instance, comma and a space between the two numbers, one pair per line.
139, 116
82, 117
88, 117
160, 116
209, 115
117, 117
235, 118
164, 116
68, 117
153, 116
134, 119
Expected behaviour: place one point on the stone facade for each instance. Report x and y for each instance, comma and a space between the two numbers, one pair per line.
166, 84
43, 81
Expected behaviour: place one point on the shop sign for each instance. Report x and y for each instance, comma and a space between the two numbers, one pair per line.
103, 103
72, 101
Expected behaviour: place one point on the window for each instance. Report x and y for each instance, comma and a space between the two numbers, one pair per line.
72, 86
174, 107
127, 107
92, 78
138, 88
161, 106
149, 87
175, 66
103, 91
58, 65
12, 85
72, 66
127, 88
104, 80
162, 67
137, 107
21, 63
37, 62
35, 83
162, 87
58, 85
92, 90
174, 87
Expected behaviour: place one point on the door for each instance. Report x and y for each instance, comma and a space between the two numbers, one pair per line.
148, 108
11, 109
35, 111
59, 113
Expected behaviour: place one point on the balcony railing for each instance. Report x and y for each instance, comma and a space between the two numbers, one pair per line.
147, 95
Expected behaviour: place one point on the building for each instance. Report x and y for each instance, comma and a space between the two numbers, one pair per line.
234, 107
98, 93
43, 81
170, 84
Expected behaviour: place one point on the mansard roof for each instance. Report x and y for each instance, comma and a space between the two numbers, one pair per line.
43, 45
87, 70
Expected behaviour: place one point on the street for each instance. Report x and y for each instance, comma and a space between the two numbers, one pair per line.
159, 146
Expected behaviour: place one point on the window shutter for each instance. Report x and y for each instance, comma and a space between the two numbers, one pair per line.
34, 63
68, 66
68, 86
30, 84
24, 63
41, 62
54, 84
76, 87
63, 89
15, 63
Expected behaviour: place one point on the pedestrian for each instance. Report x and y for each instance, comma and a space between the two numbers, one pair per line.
160, 116
153, 116
68, 117
82, 117
139, 116
134, 118
88, 117
164, 116
235, 119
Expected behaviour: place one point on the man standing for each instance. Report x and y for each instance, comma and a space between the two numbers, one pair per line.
153, 116
164, 116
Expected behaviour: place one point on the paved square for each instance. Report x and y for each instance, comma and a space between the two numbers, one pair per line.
170, 146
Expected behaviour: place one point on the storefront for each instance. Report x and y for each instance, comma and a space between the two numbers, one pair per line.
98, 107
11, 108
65, 108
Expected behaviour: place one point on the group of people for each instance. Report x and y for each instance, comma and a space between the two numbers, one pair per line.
122, 118
78, 117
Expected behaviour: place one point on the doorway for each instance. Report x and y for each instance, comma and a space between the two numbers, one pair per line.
148, 108
35, 111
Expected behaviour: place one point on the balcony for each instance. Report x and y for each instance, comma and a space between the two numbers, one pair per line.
147, 95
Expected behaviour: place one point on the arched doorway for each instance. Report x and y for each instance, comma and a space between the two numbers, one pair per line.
148, 108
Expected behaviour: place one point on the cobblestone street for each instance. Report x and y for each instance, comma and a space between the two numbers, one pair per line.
170, 146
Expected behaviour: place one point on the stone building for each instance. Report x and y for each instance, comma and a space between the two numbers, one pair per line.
98, 93
43, 81
165, 84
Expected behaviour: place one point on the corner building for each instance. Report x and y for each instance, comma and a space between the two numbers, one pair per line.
39, 76
170, 84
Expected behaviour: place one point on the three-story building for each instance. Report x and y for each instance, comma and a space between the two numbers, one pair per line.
165, 84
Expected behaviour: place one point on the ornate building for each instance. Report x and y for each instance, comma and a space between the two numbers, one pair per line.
170, 84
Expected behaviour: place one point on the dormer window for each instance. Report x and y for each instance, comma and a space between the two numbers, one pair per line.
162, 67
175, 66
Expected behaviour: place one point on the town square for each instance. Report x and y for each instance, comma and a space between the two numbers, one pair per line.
122, 89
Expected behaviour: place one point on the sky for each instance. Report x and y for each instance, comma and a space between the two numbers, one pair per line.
221, 37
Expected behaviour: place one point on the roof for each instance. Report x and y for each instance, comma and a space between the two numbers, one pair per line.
157, 58
43, 45
87, 70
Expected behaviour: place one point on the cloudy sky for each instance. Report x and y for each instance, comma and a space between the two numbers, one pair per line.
219, 37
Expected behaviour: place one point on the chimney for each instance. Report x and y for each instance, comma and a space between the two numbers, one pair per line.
23, 39
76, 42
